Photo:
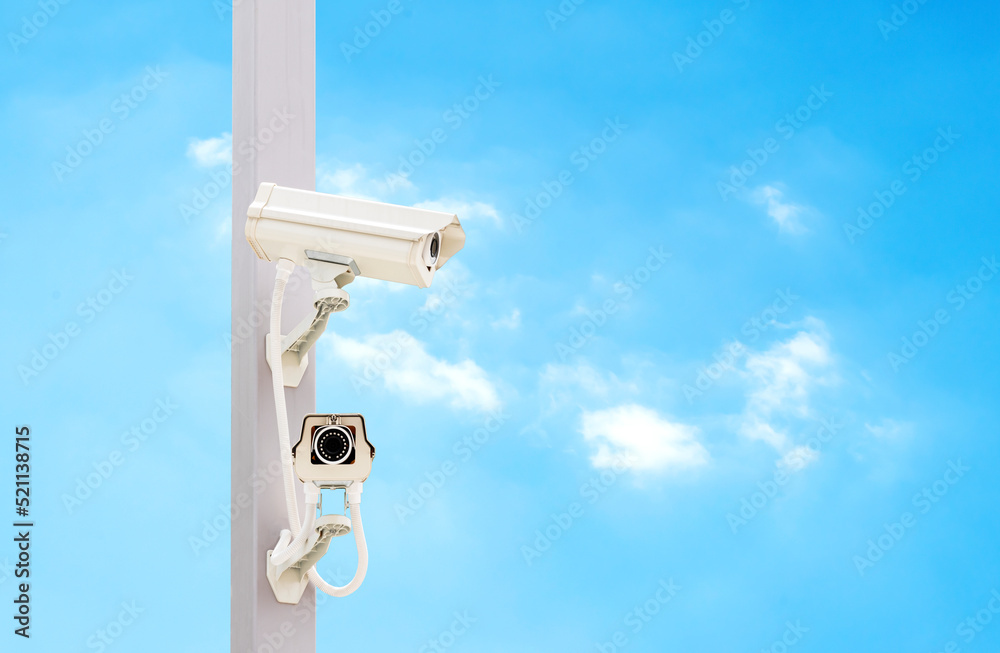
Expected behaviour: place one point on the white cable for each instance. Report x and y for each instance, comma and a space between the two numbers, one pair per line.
297, 548
285, 268
354, 500
301, 531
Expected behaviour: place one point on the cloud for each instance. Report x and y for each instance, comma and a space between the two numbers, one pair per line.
371, 285
355, 181
781, 381
465, 210
785, 215
642, 439
889, 429
211, 152
784, 374
224, 229
402, 365
756, 429
567, 381
563, 389
512, 321
798, 458
451, 283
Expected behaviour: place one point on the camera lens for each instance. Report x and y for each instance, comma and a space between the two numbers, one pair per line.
333, 445
432, 249
435, 246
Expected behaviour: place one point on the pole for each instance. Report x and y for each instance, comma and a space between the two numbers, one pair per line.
274, 140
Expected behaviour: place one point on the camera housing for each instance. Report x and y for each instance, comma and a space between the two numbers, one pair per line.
333, 450
384, 241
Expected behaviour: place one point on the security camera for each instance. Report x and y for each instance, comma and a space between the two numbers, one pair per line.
336, 239
333, 450
370, 239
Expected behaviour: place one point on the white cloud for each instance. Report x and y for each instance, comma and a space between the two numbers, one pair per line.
784, 374
781, 382
889, 429
445, 300
465, 210
564, 388
346, 181
756, 429
512, 321
211, 151
371, 285
798, 458
566, 380
785, 214
224, 230
401, 363
641, 439
355, 181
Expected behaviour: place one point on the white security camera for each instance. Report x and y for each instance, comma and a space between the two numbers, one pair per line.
336, 239
333, 451
384, 241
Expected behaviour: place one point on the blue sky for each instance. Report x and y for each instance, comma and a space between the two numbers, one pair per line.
723, 326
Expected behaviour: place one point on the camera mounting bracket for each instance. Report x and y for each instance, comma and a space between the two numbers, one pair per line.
330, 273
289, 580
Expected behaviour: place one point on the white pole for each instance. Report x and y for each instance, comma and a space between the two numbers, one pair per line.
274, 139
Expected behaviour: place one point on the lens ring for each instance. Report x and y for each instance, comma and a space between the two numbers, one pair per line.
333, 444
431, 249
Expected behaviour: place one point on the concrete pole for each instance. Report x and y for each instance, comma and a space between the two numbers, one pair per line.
274, 140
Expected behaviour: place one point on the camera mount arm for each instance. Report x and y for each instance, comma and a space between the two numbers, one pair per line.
330, 273
292, 562
299, 548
